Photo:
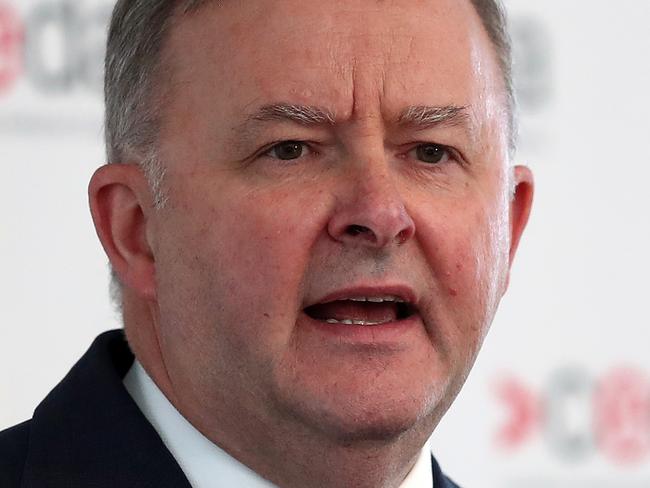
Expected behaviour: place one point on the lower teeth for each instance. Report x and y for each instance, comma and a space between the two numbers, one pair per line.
355, 322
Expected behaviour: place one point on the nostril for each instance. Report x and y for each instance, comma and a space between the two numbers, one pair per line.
355, 230
402, 236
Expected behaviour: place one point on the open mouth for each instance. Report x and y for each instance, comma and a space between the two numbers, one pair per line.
370, 311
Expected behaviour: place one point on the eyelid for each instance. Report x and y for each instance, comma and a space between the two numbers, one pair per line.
264, 152
453, 153
413, 146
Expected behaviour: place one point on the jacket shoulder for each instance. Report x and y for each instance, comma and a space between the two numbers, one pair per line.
13, 452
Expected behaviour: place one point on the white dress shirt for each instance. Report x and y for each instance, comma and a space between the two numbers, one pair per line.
205, 464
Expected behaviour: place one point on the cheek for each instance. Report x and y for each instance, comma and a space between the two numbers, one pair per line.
231, 251
465, 251
265, 240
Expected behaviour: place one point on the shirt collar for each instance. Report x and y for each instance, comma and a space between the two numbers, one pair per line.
205, 464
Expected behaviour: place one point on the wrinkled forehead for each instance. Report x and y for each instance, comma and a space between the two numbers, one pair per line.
355, 56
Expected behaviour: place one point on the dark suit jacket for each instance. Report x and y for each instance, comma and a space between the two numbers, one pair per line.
89, 433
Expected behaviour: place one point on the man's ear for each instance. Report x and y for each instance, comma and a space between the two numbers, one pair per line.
520, 205
120, 202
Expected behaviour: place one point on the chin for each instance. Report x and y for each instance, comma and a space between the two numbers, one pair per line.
386, 430
383, 419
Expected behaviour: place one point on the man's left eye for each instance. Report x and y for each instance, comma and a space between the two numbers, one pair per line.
288, 150
430, 153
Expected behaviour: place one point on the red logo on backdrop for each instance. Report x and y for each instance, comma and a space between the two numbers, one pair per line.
78, 34
622, 420
11, 41
523, 413
576, 415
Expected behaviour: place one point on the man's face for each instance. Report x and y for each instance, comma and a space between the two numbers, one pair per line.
393, 185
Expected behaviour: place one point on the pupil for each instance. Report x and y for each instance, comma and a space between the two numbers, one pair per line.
430, 153
290, 150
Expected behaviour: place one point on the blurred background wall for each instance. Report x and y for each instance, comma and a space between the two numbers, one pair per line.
560, 396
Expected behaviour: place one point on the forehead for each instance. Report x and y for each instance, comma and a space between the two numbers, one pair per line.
345, 55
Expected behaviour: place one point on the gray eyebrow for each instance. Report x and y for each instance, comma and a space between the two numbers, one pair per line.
418, 117
425, 117
245, 133
302, 114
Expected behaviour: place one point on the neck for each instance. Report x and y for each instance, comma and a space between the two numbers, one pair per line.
363, 464
292, 455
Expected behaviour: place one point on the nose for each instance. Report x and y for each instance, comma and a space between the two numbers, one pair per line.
371, 213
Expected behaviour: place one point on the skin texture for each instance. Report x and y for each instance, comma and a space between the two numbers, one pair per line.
216, 282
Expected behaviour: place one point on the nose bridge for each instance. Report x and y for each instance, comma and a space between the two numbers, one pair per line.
375, 187
371, 210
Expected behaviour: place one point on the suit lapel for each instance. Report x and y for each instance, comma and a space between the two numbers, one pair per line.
439, 479
88, 432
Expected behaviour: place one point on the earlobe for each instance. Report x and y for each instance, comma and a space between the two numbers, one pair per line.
520, 205
120, 202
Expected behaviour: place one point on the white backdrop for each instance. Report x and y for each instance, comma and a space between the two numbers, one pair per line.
560, 396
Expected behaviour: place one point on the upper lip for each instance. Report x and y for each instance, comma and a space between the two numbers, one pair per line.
402, 292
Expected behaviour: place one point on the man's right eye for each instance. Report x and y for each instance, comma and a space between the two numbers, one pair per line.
287, 150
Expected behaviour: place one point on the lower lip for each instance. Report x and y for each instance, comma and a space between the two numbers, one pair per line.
390, 333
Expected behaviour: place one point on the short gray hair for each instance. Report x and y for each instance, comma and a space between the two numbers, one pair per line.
133, 66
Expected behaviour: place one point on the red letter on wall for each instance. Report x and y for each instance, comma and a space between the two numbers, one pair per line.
11, 42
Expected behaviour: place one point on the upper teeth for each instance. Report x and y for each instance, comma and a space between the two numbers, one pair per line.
388, 298
356, 322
